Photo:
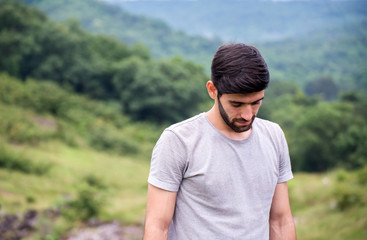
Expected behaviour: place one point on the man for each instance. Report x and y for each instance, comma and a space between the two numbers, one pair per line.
222, 174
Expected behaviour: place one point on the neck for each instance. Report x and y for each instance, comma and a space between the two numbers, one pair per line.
216, 119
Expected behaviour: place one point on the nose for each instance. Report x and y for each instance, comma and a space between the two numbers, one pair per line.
247, 112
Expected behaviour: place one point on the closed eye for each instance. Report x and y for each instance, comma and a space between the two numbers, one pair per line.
256, 103
236, 105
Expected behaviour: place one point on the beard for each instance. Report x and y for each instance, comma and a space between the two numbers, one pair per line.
232, 122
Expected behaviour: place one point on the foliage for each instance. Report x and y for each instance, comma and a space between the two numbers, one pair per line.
30, 130
329, 135
336, 53
163, 91
87, 204
351, 191
249, 21
100, 17
348, 196
302, 41
94, 181
32, 115
324, 87
321, 135
317, 199
15, 161
97, 66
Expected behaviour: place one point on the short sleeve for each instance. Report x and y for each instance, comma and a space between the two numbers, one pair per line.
285, 170
168, 162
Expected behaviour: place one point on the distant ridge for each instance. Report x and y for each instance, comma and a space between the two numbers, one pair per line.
250, 21
103, 18
336, 47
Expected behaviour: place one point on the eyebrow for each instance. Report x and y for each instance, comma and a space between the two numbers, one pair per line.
237, 102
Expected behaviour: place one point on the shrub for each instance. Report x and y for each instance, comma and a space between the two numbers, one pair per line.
95, 181
21, 126
362, 176
18, 162
348, 196
87, 204
103, 138
342, 175
350, 190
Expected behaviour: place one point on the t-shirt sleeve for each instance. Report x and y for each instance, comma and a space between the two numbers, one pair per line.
168, 162
285, 170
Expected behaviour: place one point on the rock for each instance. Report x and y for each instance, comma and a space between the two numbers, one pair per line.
17, 227
29, 220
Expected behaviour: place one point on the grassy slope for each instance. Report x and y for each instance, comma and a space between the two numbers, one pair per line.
311, 195
314, 205
47, 158
124, 180
122, 177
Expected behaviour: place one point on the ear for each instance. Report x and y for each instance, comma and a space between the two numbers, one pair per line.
212, 90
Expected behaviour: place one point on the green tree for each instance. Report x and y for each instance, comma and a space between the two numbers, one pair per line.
17, 25
327, 136
100, 67
324, 86
165, 91
314, 133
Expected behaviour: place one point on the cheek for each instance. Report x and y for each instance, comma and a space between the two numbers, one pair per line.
234, 113
256, 109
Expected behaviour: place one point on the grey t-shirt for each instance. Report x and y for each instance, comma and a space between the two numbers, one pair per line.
224, 187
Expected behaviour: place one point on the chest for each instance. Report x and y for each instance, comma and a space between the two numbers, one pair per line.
232, 172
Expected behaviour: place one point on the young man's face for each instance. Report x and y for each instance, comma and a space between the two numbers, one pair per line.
238, 111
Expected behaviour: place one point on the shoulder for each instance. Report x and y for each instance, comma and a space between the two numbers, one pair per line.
187, 126
269, 129
266, 125
186, 132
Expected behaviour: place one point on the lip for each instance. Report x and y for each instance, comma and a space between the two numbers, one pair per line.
243, 123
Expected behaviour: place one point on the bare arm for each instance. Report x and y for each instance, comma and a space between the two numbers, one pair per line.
281, 220
159, 213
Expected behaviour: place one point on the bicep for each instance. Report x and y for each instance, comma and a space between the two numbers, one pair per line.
280, 205
160, 208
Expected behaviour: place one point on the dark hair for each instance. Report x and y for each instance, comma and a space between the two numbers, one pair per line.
239, 68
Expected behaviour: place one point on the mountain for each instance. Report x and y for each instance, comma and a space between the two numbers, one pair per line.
302, 41
339, 53
102, 18
249, 21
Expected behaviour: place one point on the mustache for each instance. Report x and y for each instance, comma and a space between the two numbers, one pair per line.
243, 120
240, 120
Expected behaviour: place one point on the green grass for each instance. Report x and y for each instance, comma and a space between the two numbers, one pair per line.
314, 202
123, 181
58, 149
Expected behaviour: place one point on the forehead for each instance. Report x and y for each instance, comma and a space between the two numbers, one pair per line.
244, 97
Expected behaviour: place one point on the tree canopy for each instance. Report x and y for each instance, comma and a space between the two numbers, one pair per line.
98, 66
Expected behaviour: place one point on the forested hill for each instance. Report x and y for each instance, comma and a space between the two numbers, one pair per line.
250, 21
33, 46
326, 40
337, 53
99, 17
